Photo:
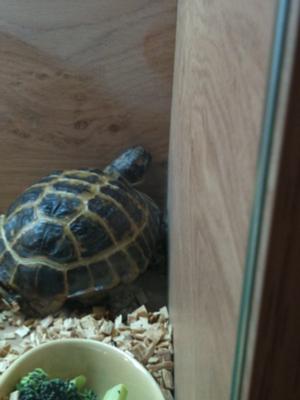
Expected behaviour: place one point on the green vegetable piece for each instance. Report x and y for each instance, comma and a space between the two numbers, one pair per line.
79, 382
33, 379
88, 394
118, 392
37, 386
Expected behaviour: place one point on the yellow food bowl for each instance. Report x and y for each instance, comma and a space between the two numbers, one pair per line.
103, 365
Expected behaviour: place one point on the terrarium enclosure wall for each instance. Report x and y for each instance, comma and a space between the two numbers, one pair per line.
82, 80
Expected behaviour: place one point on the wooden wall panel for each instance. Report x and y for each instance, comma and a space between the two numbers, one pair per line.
79, 81
222, 51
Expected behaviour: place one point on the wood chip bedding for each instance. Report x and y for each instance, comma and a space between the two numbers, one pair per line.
147, 336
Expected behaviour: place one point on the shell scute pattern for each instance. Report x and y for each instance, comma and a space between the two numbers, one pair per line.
103, 275
69, 187
58, 206
122, 266
121, 196
24, 278
39, 277
145, 247
92, 178
91, 237
137, 254
29, 196
17, 220
149, 239
118, 222
79, 280
45, 239
2, 246
47, 274
92, 170
8, 267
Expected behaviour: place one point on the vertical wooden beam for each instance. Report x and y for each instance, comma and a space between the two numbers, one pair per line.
220, 74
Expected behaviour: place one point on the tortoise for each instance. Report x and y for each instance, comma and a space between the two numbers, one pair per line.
77, 234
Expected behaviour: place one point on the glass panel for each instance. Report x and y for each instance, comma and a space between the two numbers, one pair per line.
275, 72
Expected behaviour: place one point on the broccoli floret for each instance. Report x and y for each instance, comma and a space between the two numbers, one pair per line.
53, 389
88, 394
38, 386
33, 379
57, 389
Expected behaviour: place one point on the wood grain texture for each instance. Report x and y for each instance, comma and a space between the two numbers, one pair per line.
221, 61
79, 82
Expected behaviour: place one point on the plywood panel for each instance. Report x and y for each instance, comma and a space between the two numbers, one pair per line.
220, 77
79, 81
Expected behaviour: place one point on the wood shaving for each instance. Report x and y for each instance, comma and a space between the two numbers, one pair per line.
161, 365
167, 394
139, 351
23, 331
142, 335
46, 322
118, 322
140, 324
140, 312
107, 327
167, 378
4, 348
9, 335
14, 395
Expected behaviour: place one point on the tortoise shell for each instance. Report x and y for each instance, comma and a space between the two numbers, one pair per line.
76, 234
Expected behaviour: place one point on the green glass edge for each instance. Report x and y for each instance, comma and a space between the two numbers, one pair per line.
275, 69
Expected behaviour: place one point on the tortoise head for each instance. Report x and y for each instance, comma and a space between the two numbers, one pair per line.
131, 164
